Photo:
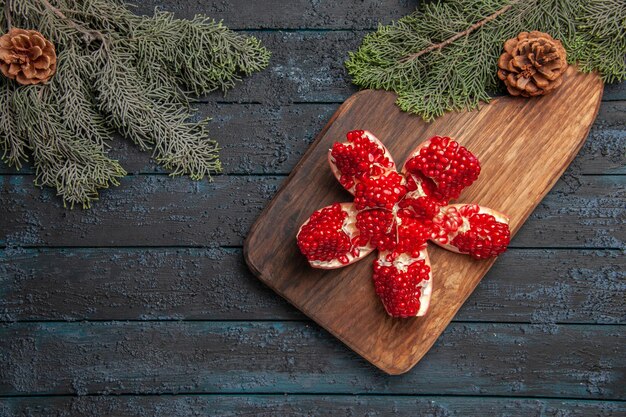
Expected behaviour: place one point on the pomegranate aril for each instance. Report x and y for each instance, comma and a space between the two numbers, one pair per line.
362, 156
445, 224
424, 207
412, 235
472, 229
322, 237
403, 287
375, 227
382, 192
485, 238
329, 238
447, 164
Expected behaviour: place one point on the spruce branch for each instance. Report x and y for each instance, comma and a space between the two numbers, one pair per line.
75, 166
7, 14
154, 122
458, 36
75, 98
118, 73
14, 147
443, 56
89, 35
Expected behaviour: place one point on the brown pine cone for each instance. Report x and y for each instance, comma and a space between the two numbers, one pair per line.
532, 64
27, 57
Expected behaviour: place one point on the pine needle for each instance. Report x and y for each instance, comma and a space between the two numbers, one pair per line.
443, 56
117, 73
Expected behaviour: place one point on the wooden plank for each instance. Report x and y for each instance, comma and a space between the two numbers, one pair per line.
580, 212
144, 210
571, 361
606, 142
288, 14
616, 91
524, 146
263, 139
134, 284
538, 286
303, 405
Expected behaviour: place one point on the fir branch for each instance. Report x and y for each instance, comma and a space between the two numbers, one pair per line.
7, 14
89, 35
118, 72
14, 148
204, 54
600, 43
75, 98
458, 36
434, 80
154, 122
75, 166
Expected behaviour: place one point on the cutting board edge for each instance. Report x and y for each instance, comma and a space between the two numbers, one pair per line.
391, 369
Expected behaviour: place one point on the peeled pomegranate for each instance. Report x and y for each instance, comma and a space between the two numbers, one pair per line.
362, 157
403, 283
330, 237
397, 213
475, 230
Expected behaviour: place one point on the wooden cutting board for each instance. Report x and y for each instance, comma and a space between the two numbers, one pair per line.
523, 145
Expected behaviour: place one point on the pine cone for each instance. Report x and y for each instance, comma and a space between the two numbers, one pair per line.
27, 57
532, 64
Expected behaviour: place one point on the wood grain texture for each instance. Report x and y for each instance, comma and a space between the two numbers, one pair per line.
524, 147
294, 14
270, 139
149, 210
515, 360
525, 285
303, 405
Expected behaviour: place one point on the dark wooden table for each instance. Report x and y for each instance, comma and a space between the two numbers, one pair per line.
143, 305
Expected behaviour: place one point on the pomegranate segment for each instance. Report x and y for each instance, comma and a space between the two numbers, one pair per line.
441, 168
412, 234
330, 239
376, 227
404, 285
362, 156
423, 207
472, 229
379, 192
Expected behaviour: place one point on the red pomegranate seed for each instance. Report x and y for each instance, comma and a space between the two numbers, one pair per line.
359, 158
322, 238
485, 238
400, 291
375, 227
382, 192
424, 207
447, 164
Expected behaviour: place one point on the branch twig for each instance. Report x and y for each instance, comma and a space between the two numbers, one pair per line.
7, 14
89, 34
458, 35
